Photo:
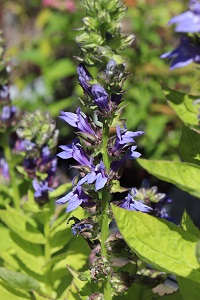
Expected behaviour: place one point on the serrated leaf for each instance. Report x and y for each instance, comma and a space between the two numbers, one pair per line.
189, 289
19, 280
183, 106
159, 242
188, 225
22, 225
190, 146
183, 175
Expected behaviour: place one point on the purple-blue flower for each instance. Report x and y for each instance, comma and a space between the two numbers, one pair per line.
75, 151
84, 76
131, 154
74, 198
97, 176
78, 120
4, 93
186, 53
130, 203
189, 21
41, 189
124, 139
8, 113
110, 68
4, 169
100, 98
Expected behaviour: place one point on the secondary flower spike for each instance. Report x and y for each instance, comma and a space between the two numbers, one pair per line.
189, 21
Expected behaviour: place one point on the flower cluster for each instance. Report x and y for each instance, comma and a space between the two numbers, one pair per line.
188, 51
120, 147
37, 141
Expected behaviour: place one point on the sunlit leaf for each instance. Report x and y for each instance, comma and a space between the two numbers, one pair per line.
22, 225
159, 242
183, 175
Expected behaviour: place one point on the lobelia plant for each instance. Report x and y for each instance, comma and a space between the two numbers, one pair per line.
115, 260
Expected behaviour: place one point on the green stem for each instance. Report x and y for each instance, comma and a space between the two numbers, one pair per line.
8, 156
105, 206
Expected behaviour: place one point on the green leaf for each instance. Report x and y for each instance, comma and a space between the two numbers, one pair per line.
84, 287
159, 242
140, 292
7, 292
172, 296
183, 175
61, 68
64, 188
116, 188
188, 225
22, 225
76, 258
31, 255
198, 251
189, 289
19, 280
190, 146
183, 106
6, 242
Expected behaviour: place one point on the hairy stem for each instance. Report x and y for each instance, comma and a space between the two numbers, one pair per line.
105, 206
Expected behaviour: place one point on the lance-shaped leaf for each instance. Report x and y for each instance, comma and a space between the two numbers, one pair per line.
183, 175
183, 106
159, 242
190, 146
